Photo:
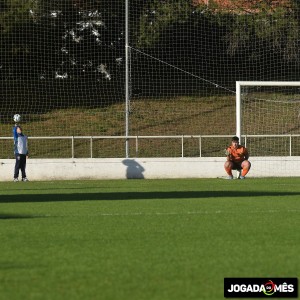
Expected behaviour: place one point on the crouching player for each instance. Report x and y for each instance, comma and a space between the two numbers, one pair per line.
237, 159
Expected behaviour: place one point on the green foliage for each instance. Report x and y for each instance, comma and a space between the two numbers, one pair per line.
15, 16
15, 13
216, 38
279, 29
277, 26
157, 16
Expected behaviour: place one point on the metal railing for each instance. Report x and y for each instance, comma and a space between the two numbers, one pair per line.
290, 136
182, 138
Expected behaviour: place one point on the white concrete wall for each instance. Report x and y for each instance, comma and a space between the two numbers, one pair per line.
148, 168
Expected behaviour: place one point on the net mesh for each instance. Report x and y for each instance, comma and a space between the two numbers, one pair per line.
269, 111
62, 68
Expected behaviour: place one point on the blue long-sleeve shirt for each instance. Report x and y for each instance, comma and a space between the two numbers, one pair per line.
20, 142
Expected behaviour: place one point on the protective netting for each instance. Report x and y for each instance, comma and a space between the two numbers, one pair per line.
62, 68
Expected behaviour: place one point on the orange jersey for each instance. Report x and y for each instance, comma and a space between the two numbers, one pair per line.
238, 155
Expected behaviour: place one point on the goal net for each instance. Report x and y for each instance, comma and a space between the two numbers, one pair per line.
268, 117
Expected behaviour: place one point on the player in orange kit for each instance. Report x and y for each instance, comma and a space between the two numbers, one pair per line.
237, 159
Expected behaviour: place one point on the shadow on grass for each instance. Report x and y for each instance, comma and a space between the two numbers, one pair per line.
139, 196
8, 216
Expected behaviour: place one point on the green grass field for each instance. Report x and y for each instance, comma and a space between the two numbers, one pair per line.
145, 239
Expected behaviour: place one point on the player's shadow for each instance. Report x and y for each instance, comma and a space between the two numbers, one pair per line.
134, 170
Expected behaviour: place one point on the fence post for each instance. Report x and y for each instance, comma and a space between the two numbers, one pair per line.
72, 146
200, 146
136, 146
290, 145
91, 147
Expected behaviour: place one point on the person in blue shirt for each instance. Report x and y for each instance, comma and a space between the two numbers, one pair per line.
21, 152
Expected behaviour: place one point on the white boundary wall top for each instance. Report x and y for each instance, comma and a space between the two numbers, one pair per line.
146, 168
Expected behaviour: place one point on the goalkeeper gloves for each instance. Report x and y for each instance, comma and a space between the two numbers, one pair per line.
227, 152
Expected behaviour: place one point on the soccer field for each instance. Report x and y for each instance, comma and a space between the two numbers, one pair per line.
145, 239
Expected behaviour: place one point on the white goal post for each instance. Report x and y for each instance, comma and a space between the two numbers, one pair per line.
279, 96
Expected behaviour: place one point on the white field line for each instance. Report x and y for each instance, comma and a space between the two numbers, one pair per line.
271, 211
196, 213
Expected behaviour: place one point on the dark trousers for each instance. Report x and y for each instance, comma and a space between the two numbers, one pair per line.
20, 165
